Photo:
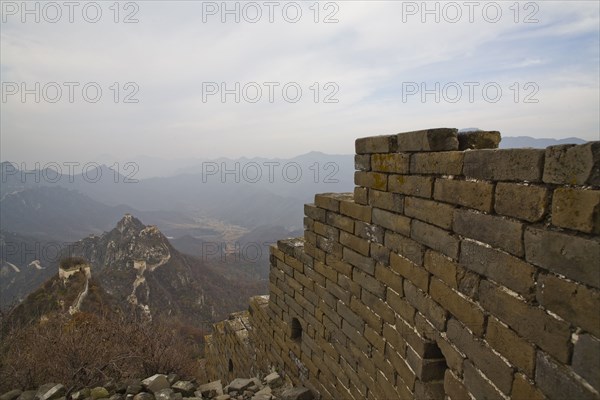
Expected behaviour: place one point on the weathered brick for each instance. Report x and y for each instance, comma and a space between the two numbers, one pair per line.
361, 262
331, 201
329, 246
406, 376
477, 195
442, 267
386, 200
435, 238
327, 231
370, 232
525, 390
362, 246
369, 283
454, 359
433, 311
350, 208
575, 303
371, 180
526, 202
391, 221
586, 362
394, 338
506, 342
445, 163
378, 305
464, 310
412, 185
349, 285
314, 212
361, 195
389, 277
557, 382
397, 163
376, 144
576, 209
504, 164
438, 139
454, 389
404, 246
380, 254
340, 221
416, 274
575, 257
337, 291
371, 319
425, 369
478, 386
340, 266
495, 231
501, 267
400, 306
362, 162
350, 316
535, 325
478, 140
432, 212
573, 165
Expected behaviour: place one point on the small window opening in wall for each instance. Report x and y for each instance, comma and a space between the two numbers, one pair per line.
230, 365
296, 331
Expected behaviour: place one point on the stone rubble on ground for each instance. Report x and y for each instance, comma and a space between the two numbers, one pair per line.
163, 387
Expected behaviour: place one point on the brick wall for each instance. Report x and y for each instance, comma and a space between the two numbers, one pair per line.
452, 270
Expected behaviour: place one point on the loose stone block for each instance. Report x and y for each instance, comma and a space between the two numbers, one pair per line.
573, 164
478, 140
439, 139
376, 144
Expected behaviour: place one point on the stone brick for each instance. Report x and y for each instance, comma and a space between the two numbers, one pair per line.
573, 164
399, 305
416, 274
429, 211
435, 238
349, 285
334, 289
380, 254
412, 185
361, 262
361, 246
478, 386
501, 267
338, 265
454, 389
362, 162
314, 212
331, 201
506, 342
442, 267
477, 195
391, 221
445, 163
327, 231
575, 303
557, 382
371, 319
340, 221
575, 257
576, 209
523, 389
425, 369
369, 283
370, 232
350, 316
376, 144
535, 325
388, 277
526, 202
454, 359
464, 310
386, 200
329, 246
495, 231
433, 311
439, 139
504, 164
586, 362
371, 180
378, 305
356, 211
397, 163
361, 195
404, 246
478, 140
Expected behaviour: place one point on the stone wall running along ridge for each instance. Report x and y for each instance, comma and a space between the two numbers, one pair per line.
454, 269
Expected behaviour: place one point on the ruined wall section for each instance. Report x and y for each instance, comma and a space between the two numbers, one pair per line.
448, 272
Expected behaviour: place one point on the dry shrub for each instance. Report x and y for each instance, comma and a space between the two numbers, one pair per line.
87, 350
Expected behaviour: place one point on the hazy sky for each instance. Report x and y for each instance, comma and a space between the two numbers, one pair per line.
376, 60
